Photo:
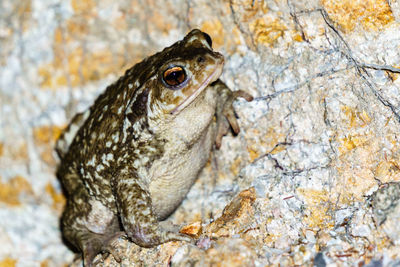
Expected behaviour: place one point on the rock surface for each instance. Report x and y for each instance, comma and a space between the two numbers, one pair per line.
313, 177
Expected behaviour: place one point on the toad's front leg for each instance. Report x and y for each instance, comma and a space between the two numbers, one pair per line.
225, 112
136, 212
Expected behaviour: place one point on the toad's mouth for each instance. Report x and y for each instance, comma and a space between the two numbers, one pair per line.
212, 78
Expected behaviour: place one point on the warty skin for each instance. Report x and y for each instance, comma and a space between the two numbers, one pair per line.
130, 159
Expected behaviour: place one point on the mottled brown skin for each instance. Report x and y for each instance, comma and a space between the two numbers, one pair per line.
129, 161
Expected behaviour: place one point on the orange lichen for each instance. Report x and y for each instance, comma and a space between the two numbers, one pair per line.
44, 263
267, 31
46, 134
358, 149
393, 76
297, 37
215, 29
83, 6
251, 8
236, 214
77, 28
354, 121
8, 262
58, 197
356, 164
347, 14
265, 142
158, 22
74, 64
120, 22
350, 142
266, 26
318, 205
193, 229
253, 154
10, 191
242, 254
356, 118
1, 149
278, 149
388, 171
45, 137
18, 151
23, 9
235, 167
80, 66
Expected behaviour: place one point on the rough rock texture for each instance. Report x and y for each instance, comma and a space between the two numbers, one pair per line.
313, 177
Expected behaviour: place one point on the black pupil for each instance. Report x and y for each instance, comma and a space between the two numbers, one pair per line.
208, 39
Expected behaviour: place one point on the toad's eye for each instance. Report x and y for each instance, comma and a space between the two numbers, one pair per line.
208, 39
174, 76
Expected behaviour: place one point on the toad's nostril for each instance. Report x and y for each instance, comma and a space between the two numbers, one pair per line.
200, 59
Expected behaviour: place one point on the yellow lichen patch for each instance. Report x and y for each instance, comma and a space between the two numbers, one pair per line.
253, 154
388, 171
75, 63
215, 29
46, 134
23, 9
273, 137
89, 67
392, 75
45, 137
58, 197
347, 14
81, 67
158, 22
267, 31
44, 263
83, 6
10, 191
235, 215
350, 142
318, 205
356, 118
193, 229
1, 149
278, 149
266, 142
251, 8
235, 167
297, 37
75, 27
359, 153
270, 238
120, 22
8, 262
356, 169
236, 36
17, 151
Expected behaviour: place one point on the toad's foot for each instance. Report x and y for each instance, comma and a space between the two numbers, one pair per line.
95, 244
227, 118
152, 236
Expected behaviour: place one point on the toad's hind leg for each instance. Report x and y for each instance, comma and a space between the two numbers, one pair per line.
137, 216
91, 234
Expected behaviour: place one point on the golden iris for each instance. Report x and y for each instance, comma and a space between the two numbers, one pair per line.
174, 76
